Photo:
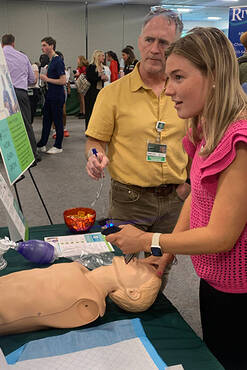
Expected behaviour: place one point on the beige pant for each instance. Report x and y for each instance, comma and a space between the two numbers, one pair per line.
150, 209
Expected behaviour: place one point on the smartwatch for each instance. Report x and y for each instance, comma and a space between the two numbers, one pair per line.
155, 246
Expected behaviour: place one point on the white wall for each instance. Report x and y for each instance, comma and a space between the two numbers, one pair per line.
110, 27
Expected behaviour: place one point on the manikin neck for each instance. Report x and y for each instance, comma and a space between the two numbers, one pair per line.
104, 279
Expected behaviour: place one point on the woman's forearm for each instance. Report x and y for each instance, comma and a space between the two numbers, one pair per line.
183, 222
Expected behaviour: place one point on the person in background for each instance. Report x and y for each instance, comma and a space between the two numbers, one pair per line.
107, 72
129, 60
114, 64
67, 92
55, 97
34, 91
82, 64
121, 64
203, 82
136, 131
242, 61
43, 66
95, 75
22, 76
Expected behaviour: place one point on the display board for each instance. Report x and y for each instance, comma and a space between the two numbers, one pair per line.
237, 25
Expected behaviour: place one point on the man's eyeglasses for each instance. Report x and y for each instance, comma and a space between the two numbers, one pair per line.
162, 9
158, 9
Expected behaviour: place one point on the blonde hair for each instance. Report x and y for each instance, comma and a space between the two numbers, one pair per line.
147, 293
82, 61
95, 59
213, 54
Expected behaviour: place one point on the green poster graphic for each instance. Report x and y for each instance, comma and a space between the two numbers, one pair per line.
15, 146
20, 140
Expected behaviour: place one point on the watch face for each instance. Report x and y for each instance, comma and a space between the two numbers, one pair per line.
156, 251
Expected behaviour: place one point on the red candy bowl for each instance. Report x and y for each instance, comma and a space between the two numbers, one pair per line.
79, 219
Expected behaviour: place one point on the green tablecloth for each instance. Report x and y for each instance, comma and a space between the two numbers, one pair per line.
172, 337
72, 103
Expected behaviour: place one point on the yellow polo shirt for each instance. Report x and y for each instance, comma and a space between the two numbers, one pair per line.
125, 116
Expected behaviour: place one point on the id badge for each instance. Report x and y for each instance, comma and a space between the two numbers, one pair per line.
156, 152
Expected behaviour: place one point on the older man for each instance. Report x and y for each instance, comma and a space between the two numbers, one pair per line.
22, 76
139, 126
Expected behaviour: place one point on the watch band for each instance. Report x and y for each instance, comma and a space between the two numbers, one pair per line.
156, 239
155, 247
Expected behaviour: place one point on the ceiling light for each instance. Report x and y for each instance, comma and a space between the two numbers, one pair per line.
184, 10
214, 18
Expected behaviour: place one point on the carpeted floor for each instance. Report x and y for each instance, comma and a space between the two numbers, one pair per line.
63, 183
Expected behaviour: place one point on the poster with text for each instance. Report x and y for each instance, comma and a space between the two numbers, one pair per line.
237, 25
15, 146
17, 225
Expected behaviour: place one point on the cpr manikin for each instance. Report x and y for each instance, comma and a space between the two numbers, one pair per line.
68, 295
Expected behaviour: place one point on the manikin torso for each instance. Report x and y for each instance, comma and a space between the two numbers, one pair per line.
59, 296
68, 295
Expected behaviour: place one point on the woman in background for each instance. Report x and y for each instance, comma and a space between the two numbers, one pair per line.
96, 76
82, 64
129, 60
114, 64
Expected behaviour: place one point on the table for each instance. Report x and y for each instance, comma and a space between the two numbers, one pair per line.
171, 336
72, 103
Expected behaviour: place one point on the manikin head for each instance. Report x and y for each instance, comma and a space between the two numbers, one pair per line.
138, 285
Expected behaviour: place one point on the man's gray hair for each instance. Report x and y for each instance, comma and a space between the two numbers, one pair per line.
170, 15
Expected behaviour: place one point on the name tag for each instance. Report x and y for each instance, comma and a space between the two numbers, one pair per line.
156, 152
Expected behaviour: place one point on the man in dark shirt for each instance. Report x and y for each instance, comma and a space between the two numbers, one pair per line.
55, 97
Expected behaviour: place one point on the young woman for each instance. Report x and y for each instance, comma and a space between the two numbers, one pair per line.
95, 75
129, 60
114, 65
82, 64
203, 82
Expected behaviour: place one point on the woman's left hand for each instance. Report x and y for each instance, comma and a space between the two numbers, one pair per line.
160, 263
130, 239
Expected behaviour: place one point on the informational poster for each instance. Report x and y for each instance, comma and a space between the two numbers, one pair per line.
16, 223
15, 146
237, 25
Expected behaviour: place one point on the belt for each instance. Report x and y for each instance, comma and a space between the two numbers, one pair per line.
19, 89
163, 189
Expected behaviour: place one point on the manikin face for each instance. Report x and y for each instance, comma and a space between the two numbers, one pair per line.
155, 38
124, 56
46, 49
133, 274
187, 86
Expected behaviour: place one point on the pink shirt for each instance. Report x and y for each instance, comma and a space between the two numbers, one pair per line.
226, 271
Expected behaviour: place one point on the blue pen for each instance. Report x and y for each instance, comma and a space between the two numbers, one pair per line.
94, 151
